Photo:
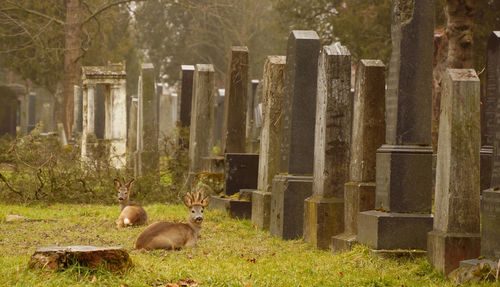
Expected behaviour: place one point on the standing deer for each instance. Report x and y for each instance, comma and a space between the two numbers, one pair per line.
131, 213
169, 235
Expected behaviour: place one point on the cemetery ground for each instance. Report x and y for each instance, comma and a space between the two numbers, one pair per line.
231, 252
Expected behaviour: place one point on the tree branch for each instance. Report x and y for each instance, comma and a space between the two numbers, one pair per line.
33, 12
107, 6
2, 177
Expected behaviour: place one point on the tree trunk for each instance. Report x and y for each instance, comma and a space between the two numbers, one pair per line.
72, 64
460, 18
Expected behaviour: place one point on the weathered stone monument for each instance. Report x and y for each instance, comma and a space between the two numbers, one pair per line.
167, 114
77, 111
218, 116
456, 209
490, 202
252, 133
368, 134
294, 183
147, 145
132, 133
202, 116
185, 99
8, 111
403, 200
324, 210
31, 111
113, 76
269, 156
235, 102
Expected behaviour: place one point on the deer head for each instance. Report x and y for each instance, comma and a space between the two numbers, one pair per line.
196, 203
123, 191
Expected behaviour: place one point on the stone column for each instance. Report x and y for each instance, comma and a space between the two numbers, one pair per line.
149, 157
90, 109
186, 95
324, 210
118, 124
269, 156
87, 118
235, 102
456, 209
368, 134
77, 121
403, 197
200, 134
298, 112
132, 132
490, 202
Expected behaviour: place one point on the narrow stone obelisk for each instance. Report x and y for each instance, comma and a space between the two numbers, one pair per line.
202, 116
324, 210
294, 183
368, 134
403, 196
235, 102
456, 234
269, 156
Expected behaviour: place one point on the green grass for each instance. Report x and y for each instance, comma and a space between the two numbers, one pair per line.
230, 253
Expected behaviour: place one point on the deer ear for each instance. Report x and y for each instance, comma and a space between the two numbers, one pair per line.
187, 200
129, 185
205, 201
117, 183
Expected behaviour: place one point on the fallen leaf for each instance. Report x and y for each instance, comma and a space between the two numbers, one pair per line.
252, 260
341, 274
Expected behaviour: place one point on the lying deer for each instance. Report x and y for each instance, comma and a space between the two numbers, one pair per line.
169, 235
131, 213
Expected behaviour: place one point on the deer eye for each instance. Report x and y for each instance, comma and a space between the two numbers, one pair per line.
202, 211
192, 211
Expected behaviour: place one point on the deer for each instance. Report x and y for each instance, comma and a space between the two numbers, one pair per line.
131, 213
174, 236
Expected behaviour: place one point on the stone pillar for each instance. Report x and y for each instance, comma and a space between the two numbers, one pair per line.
77, 120
202, 116
218, 117
90, 109
403, 197
132, 132
456, 236
368, 134
186, 95
490, 202
269, 156
235, 102
166, 115
324, 210
251, 130
490, 106
87, 118
31, 111
294, 184
148, 149
117, 122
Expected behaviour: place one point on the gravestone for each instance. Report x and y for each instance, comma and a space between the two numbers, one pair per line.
218, 117
324, 210
403, 196
490, 202
490, 107
202, 116
252, 134
148, 136
8, 111
368, 134
235, 102
184, 101
269, 155
167, 114
132, 132
294, 183
456, 236
31, 111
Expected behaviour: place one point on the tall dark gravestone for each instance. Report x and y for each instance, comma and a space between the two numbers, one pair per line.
186, 95
294, 183
403, 196
31, 111
490, 202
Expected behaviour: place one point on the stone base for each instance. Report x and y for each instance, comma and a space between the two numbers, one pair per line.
261, 209
235, 208
323, 218
287, 205
240, 172
343, 242
446, 250
490, 223
213, 164
390, 230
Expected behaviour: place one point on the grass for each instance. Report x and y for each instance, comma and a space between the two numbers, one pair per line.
231, 253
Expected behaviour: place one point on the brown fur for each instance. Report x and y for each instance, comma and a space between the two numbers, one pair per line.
169, 235
135, 214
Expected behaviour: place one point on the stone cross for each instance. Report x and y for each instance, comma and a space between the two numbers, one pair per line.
404, 163
202, 116
456, 236
324, 210
294, 184
235, 102
368, 134
269, 156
